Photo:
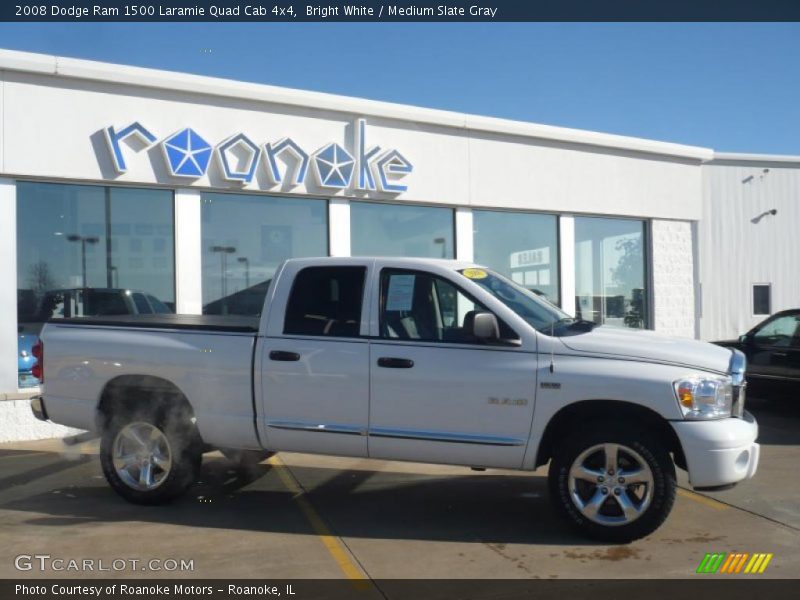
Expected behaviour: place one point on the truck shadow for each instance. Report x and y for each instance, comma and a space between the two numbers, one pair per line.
482, 508
778, 418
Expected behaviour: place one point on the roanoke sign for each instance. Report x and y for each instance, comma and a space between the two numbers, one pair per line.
188, 155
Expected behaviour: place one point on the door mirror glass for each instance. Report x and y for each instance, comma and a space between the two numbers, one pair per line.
744, 339
485, 327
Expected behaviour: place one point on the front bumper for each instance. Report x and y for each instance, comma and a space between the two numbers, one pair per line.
720, 452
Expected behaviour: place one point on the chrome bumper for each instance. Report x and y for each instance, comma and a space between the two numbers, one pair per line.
38, 409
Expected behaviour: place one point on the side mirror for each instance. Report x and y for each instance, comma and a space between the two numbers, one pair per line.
745, 339
485, 327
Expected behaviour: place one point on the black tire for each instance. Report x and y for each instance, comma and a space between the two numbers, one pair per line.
629, 436
185, 449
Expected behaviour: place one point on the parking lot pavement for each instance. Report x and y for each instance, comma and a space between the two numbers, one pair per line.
300, 516
774, 493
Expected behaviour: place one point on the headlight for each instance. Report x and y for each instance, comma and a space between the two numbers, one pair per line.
705, 397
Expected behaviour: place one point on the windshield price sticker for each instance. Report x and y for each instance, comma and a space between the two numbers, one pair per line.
475, 273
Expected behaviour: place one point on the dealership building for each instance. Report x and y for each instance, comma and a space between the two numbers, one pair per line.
134, 190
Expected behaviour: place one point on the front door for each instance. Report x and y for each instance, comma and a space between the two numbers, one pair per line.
437, 394
771, 348
315, 365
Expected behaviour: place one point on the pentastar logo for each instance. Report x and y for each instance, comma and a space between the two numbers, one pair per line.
188, 155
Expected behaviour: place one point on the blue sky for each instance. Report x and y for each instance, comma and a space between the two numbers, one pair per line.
732, 87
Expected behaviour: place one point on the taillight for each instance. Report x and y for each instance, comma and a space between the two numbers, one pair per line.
38, 353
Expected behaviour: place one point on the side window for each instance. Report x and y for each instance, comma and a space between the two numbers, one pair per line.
102, 304
778, 332
421, 306
158, 306
326, 301
142, 307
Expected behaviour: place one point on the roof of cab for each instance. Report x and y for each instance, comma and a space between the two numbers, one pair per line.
394, 260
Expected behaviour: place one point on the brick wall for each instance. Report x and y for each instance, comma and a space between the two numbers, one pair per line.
673, 278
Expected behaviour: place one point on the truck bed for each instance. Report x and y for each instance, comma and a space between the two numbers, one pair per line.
231, 323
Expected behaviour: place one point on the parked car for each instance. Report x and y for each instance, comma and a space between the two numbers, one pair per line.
25, 359
93, 302
772, 349
78, 302
408, 359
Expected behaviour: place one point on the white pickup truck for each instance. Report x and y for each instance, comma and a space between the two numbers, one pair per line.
408, 359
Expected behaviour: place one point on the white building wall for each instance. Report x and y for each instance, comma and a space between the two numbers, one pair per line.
8, 286
53, 113
740, 243
673, 277
55, 116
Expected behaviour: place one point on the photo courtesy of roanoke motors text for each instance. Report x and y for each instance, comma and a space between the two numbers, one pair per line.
467, 300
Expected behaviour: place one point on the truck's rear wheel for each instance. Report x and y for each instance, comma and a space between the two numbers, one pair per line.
149, 459
613, 483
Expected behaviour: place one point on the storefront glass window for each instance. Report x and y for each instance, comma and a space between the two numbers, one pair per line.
87, 251
521, 246
245, 239
401, 230
611, 271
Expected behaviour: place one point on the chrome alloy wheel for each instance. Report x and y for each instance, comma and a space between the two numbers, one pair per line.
142, 456
611, 484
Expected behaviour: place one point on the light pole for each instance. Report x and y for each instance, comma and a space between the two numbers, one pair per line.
83, 239
223, 265
246, 262
443, 242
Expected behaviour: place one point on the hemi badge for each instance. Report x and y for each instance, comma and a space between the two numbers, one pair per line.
550, 385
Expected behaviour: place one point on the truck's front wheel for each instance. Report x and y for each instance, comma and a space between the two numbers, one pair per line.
613, 483
149, 459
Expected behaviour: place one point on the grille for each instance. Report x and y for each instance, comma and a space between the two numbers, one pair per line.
739, 393
737, 368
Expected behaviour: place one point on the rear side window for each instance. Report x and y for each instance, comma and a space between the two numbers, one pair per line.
326, 301
101, 304
142, 307
158, 306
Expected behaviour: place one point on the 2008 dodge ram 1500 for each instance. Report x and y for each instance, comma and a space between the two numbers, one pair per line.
408, 359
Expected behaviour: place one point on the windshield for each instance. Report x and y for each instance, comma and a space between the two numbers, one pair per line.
539, 313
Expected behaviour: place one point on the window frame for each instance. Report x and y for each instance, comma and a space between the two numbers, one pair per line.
209, 195
753, 287
296, 277
404, 271
108, 189
557, 247
647, 254
453, 227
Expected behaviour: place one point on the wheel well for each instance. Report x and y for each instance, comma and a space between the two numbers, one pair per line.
581, 414
130, 394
